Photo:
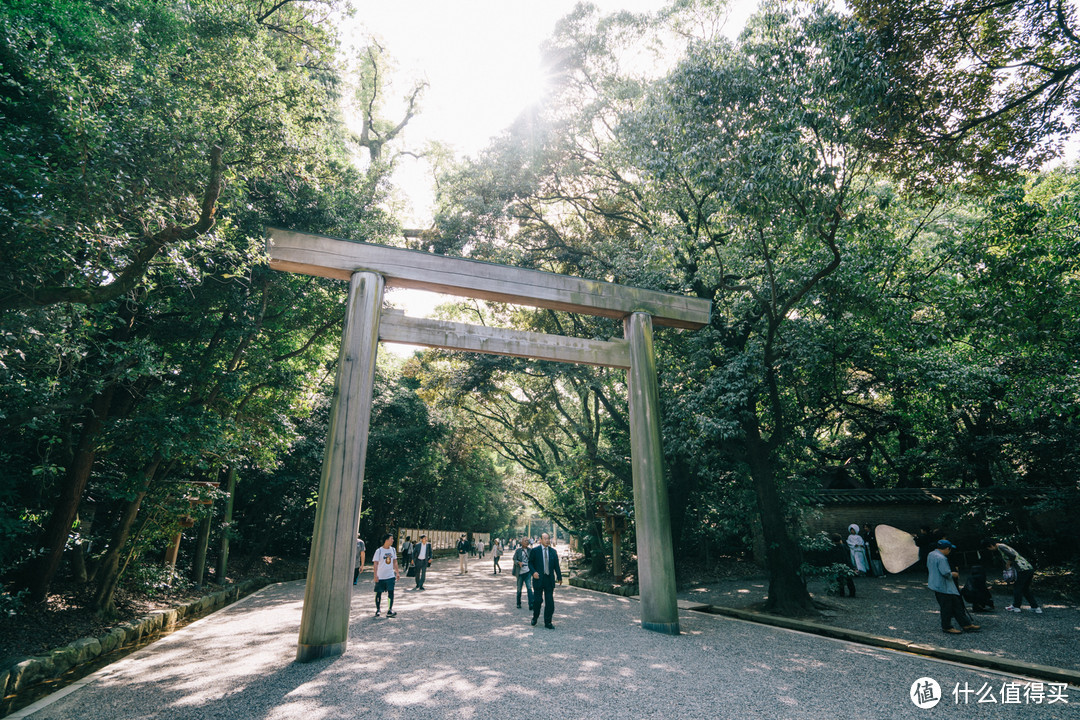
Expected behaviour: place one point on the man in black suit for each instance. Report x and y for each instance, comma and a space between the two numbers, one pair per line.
544, 563
421, 560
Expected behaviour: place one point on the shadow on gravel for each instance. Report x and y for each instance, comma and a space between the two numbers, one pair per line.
901, 606
463, 650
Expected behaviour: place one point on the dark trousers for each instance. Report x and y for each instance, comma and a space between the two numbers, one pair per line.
421, 572
844, 582
544, 594
952, 606
1022, 588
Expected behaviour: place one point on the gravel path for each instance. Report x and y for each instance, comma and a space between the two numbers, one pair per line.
901, 606
462, 650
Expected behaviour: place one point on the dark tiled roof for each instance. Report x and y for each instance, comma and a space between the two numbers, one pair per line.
918, 496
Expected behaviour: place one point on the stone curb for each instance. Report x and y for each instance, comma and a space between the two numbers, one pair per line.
623, 590
28, 672
1012, 667
1005, 665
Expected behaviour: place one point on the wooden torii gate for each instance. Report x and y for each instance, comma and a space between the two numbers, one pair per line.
324, 625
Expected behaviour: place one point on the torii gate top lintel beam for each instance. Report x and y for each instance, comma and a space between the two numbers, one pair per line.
335, 258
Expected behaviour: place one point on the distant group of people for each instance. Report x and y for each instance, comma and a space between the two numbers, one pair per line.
935, 549
857, 555
944, 581
851, 557
536, 568
387, 570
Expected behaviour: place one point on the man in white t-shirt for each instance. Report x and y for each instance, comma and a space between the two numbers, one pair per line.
384, 562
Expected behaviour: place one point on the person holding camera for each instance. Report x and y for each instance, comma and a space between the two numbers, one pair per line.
1022, 571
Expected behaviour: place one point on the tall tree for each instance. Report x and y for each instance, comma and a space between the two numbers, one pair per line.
147, 147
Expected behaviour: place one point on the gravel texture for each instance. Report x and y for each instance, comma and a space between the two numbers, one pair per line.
462, 650
901, 606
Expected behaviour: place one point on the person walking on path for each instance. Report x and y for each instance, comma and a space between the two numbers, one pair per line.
385, 563
544, 564
496, 553
422, 551
1024, 570
361, 550
463, 555
480, 548
406, 553
522, 572
942, 580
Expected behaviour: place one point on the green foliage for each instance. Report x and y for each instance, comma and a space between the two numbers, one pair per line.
145, 147
860, 336
820, 548
151, 580
422, 470
980, 90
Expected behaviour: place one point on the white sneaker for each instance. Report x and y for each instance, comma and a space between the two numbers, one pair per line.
1038, 611
1010, 608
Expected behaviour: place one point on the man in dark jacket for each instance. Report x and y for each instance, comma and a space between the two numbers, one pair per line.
976, 592
463, 555
544, 564
421, 560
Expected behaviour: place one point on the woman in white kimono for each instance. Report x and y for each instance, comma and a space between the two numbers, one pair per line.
860, 558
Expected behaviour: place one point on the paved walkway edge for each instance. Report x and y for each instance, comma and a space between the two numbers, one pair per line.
1016, 667
25, 712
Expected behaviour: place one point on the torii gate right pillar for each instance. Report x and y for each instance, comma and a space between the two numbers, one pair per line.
656, 560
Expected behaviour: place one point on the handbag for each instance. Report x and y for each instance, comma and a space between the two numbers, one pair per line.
411, 571
1008, 575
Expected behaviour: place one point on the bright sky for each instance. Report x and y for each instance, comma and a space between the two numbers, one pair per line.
481, 60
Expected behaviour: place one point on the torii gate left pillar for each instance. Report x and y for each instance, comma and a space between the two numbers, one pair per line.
324, 626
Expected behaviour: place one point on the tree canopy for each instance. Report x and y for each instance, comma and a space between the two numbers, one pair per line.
861, 195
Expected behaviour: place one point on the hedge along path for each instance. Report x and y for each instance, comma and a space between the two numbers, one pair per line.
370, 269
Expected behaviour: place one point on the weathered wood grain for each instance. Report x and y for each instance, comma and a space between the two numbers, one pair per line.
334, 258
397, 327
324, 623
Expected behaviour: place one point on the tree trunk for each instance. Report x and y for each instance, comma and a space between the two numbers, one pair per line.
787, 593
109, 569
78, 564
202, 542
596, 558
222, 569
683, 484
54, 539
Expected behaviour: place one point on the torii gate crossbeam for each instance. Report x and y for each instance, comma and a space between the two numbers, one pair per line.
324, 626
